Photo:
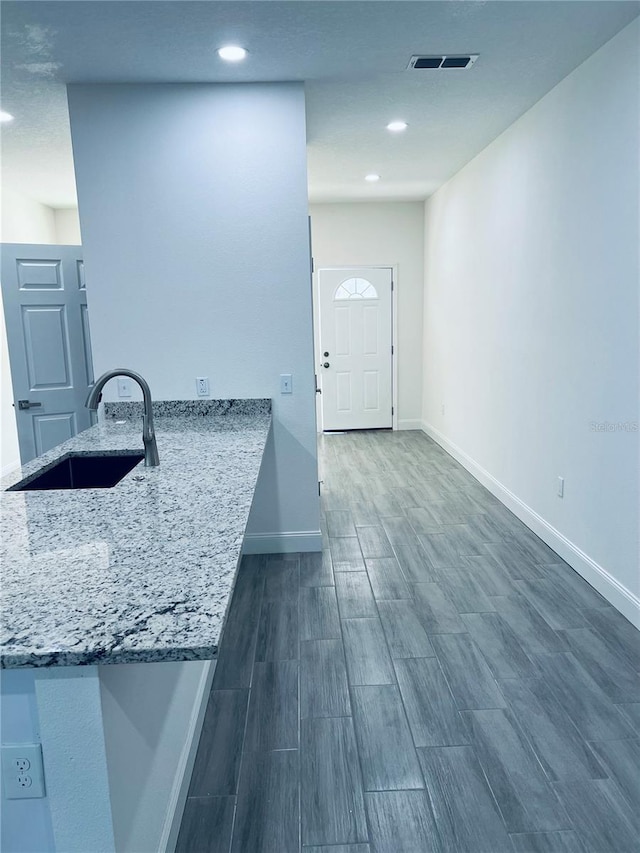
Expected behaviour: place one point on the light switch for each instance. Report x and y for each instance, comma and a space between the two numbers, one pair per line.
286, 383
124, 386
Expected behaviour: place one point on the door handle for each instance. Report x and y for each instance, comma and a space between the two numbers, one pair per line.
326, 364
27, 404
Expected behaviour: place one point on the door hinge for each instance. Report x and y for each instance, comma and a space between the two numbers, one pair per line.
313, 265
391, 349
392, 285
319, 488
391, 409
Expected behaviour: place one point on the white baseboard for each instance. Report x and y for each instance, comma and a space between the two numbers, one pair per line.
616, 593
409, 424
282, 543
178, 799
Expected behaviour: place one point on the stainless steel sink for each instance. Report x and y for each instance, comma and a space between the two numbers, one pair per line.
81, 471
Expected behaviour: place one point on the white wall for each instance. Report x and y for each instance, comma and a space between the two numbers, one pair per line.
193, 206
25, 824
531, 315
25, 220
129, 732
74, 757
67, 223
153, 714
382, 234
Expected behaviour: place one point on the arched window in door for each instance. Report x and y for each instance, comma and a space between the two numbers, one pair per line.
355, 288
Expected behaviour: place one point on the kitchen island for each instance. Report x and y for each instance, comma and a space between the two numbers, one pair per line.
106, 595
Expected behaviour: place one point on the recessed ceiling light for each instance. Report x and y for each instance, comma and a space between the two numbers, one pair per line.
372, 177
397, 126
5, 116
232, 53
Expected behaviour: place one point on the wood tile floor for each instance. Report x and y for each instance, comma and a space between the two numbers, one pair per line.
438, 679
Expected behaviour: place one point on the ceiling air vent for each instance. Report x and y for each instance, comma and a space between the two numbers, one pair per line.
447, 61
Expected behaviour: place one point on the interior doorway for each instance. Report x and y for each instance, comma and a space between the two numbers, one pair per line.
45, 305
355, 348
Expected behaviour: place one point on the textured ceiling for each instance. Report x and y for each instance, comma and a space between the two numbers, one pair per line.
351, 55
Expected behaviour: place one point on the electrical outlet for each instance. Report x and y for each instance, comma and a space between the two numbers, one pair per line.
22, 771
560, 487
286, 383
202, 386
124, 386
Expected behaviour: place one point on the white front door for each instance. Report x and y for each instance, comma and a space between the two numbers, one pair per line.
355, 348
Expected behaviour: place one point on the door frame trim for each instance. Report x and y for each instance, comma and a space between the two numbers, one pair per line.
394, 329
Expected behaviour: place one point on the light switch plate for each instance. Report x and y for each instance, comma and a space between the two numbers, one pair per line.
124, 387
286, 383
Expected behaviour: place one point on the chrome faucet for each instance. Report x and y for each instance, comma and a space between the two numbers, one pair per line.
151, 457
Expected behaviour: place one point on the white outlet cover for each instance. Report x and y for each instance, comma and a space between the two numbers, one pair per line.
22, 771
202, 386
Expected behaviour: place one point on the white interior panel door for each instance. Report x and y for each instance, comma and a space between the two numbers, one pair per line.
355, 364
45, 305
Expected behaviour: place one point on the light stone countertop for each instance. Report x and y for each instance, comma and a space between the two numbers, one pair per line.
142, 571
